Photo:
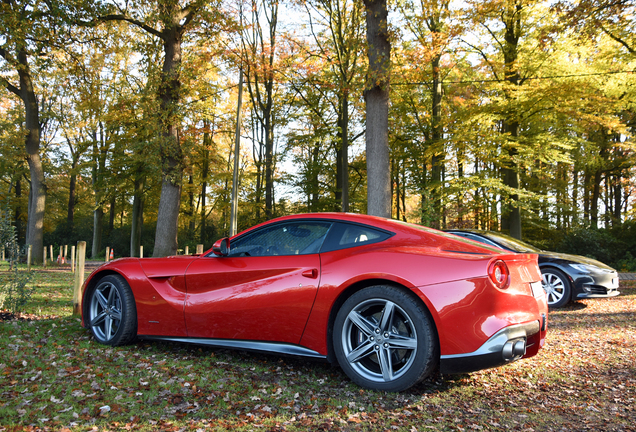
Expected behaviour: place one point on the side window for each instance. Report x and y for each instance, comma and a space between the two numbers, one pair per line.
292, 238
344, 235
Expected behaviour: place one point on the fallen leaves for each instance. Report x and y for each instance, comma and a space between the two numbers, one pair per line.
53, 377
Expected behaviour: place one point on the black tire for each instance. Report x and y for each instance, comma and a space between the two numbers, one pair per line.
557, 287
384, 339
111, 311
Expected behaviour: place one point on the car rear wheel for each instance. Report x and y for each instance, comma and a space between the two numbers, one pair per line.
112, 315
384, 339
556, 286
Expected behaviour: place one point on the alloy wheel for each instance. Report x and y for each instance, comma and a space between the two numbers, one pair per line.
379, 340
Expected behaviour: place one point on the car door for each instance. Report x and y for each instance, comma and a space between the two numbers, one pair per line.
263, 290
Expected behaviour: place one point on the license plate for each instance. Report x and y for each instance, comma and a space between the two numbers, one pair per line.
537, 289
615, 282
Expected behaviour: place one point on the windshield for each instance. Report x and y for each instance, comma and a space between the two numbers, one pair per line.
511, 243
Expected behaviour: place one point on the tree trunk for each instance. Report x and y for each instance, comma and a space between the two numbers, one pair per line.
596, 193
171, 152
269, 156
423, 194
575, 197
191, 207
166, 233
19, 225
437, 145
98, 220
586, 196
618, 195
342, 155
70, 216
137, 212
205, 171
376, 97
111, 214
511, 214
313, 178
37, 193
259, 70
99, 166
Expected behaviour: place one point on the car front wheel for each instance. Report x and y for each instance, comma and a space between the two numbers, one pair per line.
384, 339
112, 315
556, 286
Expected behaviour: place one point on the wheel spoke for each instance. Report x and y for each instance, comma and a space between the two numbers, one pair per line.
113, 296
397, 341
362, 351
108, 327
99, 295
554, 288
363, 324
387, 316
386, 365
98, 319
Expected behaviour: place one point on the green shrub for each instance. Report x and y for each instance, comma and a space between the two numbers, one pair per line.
599, 244
627, 264
14, 289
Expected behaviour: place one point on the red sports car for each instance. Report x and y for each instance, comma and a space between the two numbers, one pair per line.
388, 301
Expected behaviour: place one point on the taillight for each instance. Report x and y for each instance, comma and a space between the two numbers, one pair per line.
499, 274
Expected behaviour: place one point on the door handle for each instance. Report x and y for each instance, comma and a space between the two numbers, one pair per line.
313, 273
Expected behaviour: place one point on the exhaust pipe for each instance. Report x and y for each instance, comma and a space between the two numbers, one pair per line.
514, 350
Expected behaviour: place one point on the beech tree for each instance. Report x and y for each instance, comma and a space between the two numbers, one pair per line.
339, 46
259, 57
168, 21
376, 95
500, 118
429, 23
25, 34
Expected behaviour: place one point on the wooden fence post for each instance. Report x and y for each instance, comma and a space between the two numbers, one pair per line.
65, 252
187, 250
141, 251
29, 258
107, 252
45, 258
199, 249
79, 277
52, 256
73, 259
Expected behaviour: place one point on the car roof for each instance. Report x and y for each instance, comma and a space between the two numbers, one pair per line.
392, 225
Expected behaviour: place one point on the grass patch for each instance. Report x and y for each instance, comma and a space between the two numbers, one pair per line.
54, 376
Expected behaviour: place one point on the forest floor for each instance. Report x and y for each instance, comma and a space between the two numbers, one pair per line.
53, 376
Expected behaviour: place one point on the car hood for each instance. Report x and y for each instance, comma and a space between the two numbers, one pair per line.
575, 259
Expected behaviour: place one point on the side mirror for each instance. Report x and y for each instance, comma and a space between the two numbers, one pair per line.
221, 247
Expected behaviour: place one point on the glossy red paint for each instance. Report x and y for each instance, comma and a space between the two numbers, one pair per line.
159, 289
293, 299
251, 298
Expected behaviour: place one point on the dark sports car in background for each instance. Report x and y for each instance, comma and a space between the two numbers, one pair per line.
390, 302
565, 277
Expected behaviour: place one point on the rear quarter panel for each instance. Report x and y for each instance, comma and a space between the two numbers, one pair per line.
408, 266
465, 306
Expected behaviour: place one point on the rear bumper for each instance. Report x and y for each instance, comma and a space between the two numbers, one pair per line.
507, 345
